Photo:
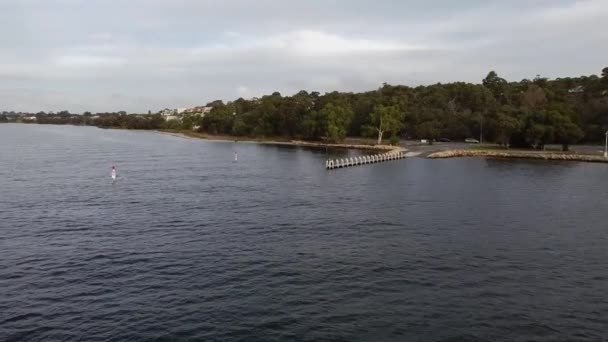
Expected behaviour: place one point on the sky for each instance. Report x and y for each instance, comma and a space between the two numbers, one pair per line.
140, 55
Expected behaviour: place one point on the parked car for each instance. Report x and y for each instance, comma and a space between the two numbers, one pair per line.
471, 141
444, 140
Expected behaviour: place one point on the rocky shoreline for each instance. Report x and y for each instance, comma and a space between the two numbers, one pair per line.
519, 155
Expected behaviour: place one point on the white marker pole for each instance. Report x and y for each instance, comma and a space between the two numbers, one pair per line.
606, 147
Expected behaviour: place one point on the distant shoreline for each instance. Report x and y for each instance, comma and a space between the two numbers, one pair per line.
539, 155
420, 150
221, 138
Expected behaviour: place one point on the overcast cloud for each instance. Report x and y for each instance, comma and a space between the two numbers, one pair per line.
138, 55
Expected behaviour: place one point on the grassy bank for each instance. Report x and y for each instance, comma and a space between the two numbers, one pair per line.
358, 144
506, 154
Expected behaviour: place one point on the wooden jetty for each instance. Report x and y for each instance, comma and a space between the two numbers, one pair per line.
331, 164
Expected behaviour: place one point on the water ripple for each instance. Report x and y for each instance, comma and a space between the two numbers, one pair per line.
188, 245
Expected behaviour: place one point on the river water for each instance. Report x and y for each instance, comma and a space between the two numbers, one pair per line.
189, 245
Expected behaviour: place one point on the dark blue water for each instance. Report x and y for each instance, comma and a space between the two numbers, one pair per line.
189, 245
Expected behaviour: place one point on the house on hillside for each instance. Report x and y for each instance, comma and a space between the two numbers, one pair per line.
577, 89
198, 110
167, 112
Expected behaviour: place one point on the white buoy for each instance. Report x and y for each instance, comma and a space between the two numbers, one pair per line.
113, 173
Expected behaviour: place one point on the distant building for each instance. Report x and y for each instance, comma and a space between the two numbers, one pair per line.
167, 112
198, 110
577, 89
171, 117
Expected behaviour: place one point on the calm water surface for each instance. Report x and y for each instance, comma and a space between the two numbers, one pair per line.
189, 245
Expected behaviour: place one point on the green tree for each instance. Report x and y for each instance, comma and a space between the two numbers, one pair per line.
506, 125
189, 121
337, 118
565, 131
537, 130
216, 103
314, 124
170, 124
428, 130
386, 119
239, 127
495, 83
537, 135
219, 120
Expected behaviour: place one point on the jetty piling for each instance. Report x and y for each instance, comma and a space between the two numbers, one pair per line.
331, 164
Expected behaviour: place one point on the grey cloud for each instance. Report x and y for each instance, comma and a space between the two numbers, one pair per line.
77, 55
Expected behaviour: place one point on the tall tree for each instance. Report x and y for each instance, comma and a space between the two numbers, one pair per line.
534, 97
337, 117
495, 83
429, 130
566, 132
219, 120
386, 119
314, 124
506, 125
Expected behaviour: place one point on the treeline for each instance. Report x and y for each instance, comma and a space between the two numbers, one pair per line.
104, 120
528, 113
